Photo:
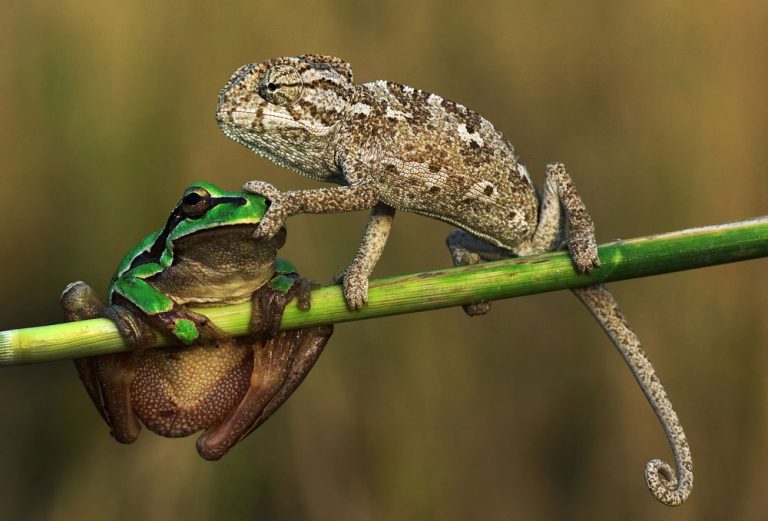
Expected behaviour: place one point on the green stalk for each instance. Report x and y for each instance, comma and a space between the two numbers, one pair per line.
641, 257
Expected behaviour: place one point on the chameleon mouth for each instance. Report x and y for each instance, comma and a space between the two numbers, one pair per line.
227, 118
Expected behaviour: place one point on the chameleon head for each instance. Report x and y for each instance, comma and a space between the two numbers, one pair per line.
284, 108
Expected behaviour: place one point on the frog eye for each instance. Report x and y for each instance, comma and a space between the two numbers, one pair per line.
280, 85
196, 201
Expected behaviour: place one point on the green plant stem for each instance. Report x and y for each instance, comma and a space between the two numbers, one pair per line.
669, 252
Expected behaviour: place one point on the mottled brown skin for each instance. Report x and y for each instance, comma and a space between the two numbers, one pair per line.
392, 147
228, 386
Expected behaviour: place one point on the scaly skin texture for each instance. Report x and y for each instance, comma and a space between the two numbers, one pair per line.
391, 147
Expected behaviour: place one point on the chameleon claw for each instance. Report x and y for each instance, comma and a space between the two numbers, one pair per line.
271, 223
477, 309
355, 291
263, 188
583, 250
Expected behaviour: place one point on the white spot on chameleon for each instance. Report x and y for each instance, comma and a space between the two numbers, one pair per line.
391, 113
361, 108
434, 99
313, 75
408, 90
516, 221
524, 172
468, 138
484, 189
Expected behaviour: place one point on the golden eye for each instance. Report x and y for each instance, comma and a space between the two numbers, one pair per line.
196, 201
280, 85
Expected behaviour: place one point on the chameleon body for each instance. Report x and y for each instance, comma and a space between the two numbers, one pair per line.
392, 147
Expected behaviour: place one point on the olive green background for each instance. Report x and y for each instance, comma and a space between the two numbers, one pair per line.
659, 109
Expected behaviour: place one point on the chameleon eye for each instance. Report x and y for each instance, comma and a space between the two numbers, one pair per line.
280, 85
195, 202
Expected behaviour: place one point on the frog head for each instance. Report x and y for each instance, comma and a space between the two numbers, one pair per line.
204, 255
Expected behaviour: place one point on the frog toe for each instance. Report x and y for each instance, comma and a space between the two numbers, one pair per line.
80, 302
134, 330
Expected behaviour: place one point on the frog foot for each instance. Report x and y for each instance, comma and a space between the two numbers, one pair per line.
269, 305
189, 327
134, 330
302, 289
80, 302
280, 364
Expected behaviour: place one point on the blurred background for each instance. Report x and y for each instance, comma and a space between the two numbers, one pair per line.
659, 110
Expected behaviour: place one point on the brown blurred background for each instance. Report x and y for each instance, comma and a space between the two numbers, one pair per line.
659, 110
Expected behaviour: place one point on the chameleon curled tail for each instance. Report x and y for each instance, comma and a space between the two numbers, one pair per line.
666, 485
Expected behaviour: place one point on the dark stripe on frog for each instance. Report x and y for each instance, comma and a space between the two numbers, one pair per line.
177, 215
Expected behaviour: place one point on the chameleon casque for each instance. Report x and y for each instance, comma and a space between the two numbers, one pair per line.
391, 147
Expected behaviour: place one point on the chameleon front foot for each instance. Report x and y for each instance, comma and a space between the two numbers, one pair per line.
275, 217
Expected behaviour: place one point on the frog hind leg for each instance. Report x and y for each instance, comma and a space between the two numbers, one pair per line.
280, 364
80, 302
107, 378
312, 345
115, 374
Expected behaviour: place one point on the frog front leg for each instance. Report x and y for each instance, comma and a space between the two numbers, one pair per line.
107, 378
269, 301
159, 311
279, 366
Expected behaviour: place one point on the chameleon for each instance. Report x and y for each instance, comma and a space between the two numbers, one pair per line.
393, 147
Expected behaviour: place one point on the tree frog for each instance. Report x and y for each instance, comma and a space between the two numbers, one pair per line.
204, 255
